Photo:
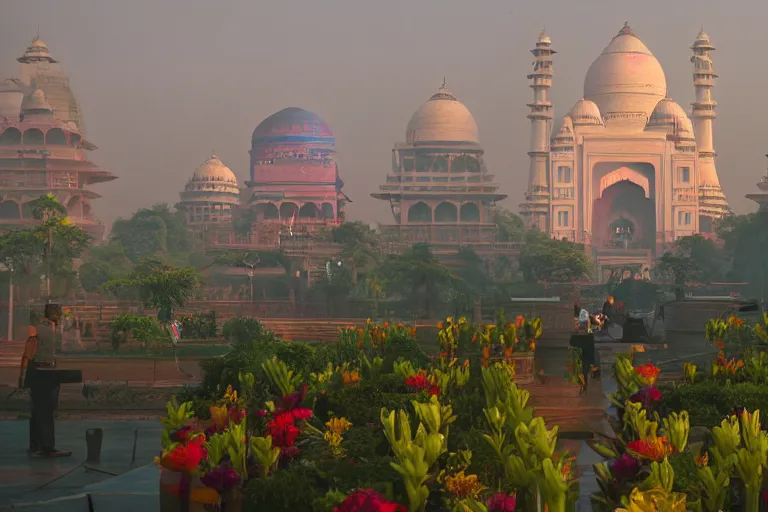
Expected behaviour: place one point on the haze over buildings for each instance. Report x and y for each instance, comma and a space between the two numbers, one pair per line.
163, 85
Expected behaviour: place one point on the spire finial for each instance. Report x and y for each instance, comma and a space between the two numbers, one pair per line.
626, 29
443, 86
37, 36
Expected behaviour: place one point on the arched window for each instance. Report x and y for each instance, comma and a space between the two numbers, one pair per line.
328, 211
10, 136
270, 211
469, 213
445, 212
10, 210
288, 210
309, 211
55, 136
420, 212
33, 136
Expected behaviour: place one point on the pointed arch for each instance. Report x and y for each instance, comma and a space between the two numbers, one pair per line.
33, 136
11, 136
446, 212
469, 213
420, 212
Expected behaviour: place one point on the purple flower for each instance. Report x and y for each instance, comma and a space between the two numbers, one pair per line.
222, 478
646, 396
502, 502
625, 467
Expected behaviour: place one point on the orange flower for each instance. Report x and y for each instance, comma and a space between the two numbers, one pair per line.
350, 378
648, 373
655, 449
702, 460
519, 321
439, 325
532, 346
508, 352
386, 325
719, 344
486, 351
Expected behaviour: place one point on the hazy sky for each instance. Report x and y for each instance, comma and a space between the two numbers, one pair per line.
162, 83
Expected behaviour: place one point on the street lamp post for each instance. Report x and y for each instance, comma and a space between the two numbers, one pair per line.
9, 265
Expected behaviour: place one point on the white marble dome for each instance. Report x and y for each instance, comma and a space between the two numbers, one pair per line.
442, 118
626, 78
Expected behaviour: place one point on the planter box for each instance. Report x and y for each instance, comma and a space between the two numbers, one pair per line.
198, 497
524, 367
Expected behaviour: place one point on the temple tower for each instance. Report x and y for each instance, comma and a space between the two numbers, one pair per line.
535, 210
712, 202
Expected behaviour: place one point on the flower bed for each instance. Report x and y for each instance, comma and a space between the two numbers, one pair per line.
368, 423
654, 460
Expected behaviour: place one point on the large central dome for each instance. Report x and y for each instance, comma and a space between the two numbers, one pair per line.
442, 119
626, 78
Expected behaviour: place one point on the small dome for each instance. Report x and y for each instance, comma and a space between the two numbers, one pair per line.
626, 77
671, 115
586, 112
566, 129
213, 170
544, 37
35, 104
292, 124
442, 118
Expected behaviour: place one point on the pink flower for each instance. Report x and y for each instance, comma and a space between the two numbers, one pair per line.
625, 467
301, 414
367, 500
646, 396
502, 502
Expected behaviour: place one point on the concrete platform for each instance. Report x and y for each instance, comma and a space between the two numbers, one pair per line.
45, 484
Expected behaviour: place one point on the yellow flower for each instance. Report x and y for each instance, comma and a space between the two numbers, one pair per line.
333, 438
338, 425
65, 221
463, 486
230, 395
218, 415
367, 321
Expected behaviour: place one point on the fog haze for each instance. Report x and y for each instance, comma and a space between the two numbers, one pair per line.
162, 83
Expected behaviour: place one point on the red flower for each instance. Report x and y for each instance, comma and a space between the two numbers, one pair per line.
282, 430
367, 500
186, 457
434, 390
652, 449
417, 382
648, 372
235, 415
301, 414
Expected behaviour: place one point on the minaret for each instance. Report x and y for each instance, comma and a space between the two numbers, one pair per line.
537, 199
712, 203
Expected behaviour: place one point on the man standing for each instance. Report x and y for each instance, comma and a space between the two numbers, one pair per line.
39, 354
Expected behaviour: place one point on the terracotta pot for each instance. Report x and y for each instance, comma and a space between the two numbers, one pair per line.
180, 492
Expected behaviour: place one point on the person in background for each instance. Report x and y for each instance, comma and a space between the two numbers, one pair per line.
40, 353
608, 309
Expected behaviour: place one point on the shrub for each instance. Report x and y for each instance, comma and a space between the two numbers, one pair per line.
292, 488
199, 326
242, 330
144, 329
709, 402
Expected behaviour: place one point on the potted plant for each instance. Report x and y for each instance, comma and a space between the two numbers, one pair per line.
514, 343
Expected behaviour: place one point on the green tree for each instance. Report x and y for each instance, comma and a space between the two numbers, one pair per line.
509, 226
159, 286
705, 254
545, 259
47, 249
417, 275
152, 232
746, 246
360, 247
682, 268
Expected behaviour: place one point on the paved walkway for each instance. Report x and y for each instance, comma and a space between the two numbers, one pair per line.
27, 480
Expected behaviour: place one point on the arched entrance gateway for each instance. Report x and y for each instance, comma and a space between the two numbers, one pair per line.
623, 212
